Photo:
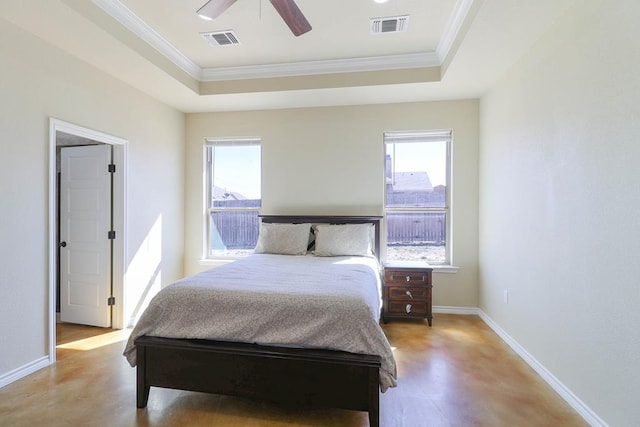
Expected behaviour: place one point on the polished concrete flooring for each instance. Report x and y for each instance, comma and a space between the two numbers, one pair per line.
457, 373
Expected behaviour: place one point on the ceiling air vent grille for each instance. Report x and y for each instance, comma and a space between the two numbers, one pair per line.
395, 24
221, 38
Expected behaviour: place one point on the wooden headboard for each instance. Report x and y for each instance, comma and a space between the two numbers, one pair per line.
323, 219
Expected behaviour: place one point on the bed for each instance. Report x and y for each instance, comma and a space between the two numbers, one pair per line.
273, 339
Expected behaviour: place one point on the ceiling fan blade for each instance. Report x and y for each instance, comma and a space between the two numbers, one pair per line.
292, 16
214, 8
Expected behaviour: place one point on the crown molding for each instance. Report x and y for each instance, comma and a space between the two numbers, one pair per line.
136, 25
126, 17
452, 29
333, 66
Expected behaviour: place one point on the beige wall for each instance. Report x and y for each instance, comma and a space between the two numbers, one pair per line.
331, 161
560, 205
38, 82
545, 195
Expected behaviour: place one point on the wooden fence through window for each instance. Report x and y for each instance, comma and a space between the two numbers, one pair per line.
239, 229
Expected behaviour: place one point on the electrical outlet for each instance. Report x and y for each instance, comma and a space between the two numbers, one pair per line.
505, 296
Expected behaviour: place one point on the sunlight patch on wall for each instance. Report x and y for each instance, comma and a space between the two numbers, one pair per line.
144, 275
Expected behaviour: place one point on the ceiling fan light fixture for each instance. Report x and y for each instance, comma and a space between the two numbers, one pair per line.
214, 8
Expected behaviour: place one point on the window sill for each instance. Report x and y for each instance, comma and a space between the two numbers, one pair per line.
215, 262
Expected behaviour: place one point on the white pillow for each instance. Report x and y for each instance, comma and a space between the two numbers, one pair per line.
283, 239
345, 239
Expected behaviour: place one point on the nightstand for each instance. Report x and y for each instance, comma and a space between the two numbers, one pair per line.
407, 290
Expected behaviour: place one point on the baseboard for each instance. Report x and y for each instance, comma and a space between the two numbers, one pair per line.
466, 311
577, 404
23, 371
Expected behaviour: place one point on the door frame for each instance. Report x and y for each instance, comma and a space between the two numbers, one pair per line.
119, 220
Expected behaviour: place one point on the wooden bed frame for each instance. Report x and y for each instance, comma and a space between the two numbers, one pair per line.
288, 376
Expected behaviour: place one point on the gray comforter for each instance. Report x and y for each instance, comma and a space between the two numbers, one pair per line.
282, 300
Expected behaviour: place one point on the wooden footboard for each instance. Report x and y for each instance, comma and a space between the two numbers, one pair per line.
299, 377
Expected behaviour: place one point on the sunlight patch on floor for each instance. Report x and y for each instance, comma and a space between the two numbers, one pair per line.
462, 335
97, 341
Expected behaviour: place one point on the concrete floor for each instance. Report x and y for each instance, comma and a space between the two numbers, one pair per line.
457, 373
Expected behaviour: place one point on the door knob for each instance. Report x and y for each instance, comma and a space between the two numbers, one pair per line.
63, 244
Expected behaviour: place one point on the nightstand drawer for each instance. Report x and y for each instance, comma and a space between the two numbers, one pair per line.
406, 277
407, 293
408, 308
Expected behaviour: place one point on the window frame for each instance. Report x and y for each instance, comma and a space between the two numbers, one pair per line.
208, 176
408, 137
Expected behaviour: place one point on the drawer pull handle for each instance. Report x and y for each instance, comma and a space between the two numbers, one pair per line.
409, 294
408, 308
408, 278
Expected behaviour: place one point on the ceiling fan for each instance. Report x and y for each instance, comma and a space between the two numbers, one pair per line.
288, 10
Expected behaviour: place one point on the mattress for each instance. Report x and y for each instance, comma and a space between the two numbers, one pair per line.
281, 300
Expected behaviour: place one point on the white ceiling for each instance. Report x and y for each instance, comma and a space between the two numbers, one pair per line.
340, 30
452, 49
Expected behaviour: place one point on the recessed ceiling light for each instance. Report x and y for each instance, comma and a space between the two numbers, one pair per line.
380, 1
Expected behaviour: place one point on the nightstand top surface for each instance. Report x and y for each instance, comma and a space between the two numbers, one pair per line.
406, 264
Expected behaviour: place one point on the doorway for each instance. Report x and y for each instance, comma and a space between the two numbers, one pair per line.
67, 134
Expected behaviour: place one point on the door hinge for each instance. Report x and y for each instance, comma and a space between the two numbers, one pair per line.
111, 235
112, 168
111, 301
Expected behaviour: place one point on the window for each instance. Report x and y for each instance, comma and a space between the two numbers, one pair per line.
233, 195
417, 171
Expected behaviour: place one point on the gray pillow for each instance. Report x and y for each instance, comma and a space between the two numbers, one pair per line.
283, 239
345, 239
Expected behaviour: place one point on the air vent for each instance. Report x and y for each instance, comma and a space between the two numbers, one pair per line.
395, 24
221, 38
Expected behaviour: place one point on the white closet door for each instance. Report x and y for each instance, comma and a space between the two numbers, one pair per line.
85, 247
